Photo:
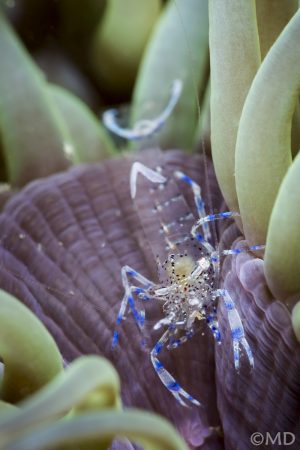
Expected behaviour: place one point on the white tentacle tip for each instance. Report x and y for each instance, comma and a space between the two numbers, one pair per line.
144, 128
150, 174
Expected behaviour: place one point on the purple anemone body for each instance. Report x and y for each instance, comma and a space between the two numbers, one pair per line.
64, 240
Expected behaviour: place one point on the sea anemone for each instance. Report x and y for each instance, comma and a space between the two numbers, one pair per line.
68, 223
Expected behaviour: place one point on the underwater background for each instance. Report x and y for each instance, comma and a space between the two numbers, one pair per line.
88, 91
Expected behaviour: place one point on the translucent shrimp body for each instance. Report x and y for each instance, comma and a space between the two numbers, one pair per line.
188, 267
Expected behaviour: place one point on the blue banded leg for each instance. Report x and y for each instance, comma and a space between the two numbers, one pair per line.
166, 378
212, 322
237, 330
198, 201
245, 249
201, 223
165, 321
200, 238
210, 250
175, 343
139, 317
143, 295
216, 255
211, 218
127, 271
128, 299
